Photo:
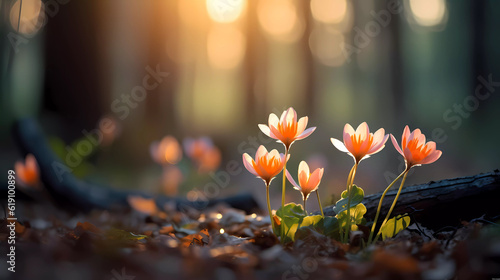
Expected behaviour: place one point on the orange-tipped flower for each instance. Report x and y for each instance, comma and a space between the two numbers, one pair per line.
28, 173
168, 150
287, 129
414, 149
360, 144
266, 164
308, 182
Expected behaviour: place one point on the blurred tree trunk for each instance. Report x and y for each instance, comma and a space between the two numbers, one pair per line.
396, 65
75, 72
478, 44
164, 33
253, 97
6, 56
478, 50
310, 88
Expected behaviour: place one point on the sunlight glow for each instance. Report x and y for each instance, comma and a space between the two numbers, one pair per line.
326, 47
221, 231
279, 19
329, 11
225, 46
32, 16
225, 10
428, 12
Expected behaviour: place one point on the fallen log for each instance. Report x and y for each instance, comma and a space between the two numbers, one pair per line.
445, 202
78, 195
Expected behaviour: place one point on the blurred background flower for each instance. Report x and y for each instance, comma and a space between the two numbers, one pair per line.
203, 153
167, 151
27, 172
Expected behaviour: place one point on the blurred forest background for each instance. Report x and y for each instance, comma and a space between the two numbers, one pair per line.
231, 63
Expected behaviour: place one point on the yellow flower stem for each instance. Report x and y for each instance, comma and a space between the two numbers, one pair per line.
283, 194
349, 189
392, 206
380, 206
319, 202
341, 232
269, 205
305, 211
349, 178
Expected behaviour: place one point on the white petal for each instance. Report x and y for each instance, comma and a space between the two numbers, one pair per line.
306, 133
248, 163
339, 145
304, 167
261, 151
301, 125
265, 129
273, 120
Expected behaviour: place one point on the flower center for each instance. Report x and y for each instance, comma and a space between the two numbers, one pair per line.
418, 150
361, 146
289, 131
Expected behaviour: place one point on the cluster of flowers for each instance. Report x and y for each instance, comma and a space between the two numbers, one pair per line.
204, 157
168, 152
359, 144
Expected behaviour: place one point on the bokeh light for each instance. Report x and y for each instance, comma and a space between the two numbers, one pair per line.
329, 11
193, 14
326, 46
428, 12
32, 16
225, 46
279, 19
225, 10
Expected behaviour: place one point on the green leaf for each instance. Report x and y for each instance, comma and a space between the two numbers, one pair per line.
394, 226
331, 227
327, 226
315, 221
357, 195
356, 213
291, 224
308, 224
291, 209
291, 217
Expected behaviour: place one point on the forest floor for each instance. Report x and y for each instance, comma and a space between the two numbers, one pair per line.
225, 243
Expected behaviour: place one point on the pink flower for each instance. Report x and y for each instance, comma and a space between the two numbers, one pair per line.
204, 153
266, 164
360, 144
287, 129
414, 149
168, 150
308, 182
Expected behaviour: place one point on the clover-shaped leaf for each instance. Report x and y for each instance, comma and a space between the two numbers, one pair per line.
357, 212
357, 195
291, 217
